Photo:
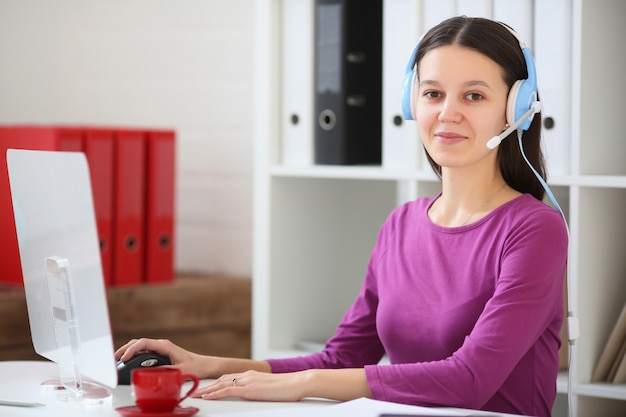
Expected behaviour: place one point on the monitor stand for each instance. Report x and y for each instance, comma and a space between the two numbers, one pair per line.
70, 386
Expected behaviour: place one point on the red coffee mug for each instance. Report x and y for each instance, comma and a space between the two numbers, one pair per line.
158, 389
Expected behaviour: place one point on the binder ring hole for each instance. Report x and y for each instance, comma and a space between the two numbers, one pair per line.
164, 241
327, 119
131, 243
548, 122
294, 119
397, 120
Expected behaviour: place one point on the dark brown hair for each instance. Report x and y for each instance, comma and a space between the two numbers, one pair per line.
496, 42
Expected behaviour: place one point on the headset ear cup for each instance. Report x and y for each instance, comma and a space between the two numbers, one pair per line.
407, 93
408, 84
414, 83
512, 103
526, 91
521, 98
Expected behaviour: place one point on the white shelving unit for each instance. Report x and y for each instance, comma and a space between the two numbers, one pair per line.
314, 226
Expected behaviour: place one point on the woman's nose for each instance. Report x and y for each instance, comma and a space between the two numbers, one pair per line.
450, 111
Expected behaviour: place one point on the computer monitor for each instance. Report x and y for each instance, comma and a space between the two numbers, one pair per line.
61, 266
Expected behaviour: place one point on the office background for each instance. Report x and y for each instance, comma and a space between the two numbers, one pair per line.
187, 65
183, 65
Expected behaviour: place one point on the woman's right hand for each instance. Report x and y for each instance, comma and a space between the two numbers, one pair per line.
186, 361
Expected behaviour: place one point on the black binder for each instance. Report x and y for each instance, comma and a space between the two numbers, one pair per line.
348, 82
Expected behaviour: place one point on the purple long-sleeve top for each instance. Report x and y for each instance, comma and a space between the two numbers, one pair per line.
468, 316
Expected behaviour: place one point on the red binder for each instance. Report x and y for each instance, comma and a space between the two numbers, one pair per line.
24, 137
129, 207
159, 261
98, 148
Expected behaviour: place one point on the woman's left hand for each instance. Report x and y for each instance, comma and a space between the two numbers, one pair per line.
256, 386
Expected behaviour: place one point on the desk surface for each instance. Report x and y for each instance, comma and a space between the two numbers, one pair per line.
21, 380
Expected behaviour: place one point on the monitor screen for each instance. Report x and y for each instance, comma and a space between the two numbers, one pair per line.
57, 239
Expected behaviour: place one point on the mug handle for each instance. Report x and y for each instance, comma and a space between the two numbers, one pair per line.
196, 382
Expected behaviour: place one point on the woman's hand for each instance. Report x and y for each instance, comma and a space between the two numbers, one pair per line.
191, 363
256, 386
333, 384
187, 362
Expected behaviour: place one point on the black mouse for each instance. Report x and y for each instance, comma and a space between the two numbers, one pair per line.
143, 359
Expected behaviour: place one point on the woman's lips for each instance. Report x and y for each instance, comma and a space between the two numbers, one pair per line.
449, 138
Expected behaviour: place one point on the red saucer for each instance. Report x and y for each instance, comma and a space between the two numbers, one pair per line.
134, 411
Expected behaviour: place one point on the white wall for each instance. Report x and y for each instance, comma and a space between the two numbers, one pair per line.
182, 64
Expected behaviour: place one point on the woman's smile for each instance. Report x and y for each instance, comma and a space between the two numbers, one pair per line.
449, 138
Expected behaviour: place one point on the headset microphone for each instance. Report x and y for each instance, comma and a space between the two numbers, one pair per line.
495, 141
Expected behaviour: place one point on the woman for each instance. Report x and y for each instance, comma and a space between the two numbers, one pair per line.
463, 291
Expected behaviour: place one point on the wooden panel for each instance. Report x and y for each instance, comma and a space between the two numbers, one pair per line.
188, 303
208, 315
19, 353
14, 327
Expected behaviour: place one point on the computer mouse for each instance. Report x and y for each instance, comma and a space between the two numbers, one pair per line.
143, 359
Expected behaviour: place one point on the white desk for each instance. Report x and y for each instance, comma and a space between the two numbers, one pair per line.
20, 380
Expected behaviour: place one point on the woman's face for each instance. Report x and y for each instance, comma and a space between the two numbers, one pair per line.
460, 105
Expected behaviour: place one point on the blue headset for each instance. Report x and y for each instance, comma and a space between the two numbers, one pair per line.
522, 96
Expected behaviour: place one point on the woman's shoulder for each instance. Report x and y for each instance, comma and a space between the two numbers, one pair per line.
527, 205
526, 211
409, 215
413, 207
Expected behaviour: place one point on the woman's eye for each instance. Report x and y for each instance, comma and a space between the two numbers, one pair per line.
431, 94
474, 96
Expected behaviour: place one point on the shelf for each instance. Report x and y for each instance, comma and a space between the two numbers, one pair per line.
601, 390
605, 181
350, 172
380, 173
286, 353
307, 349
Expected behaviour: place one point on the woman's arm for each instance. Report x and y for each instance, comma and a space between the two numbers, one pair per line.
333, 384
252, 379
201, 365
